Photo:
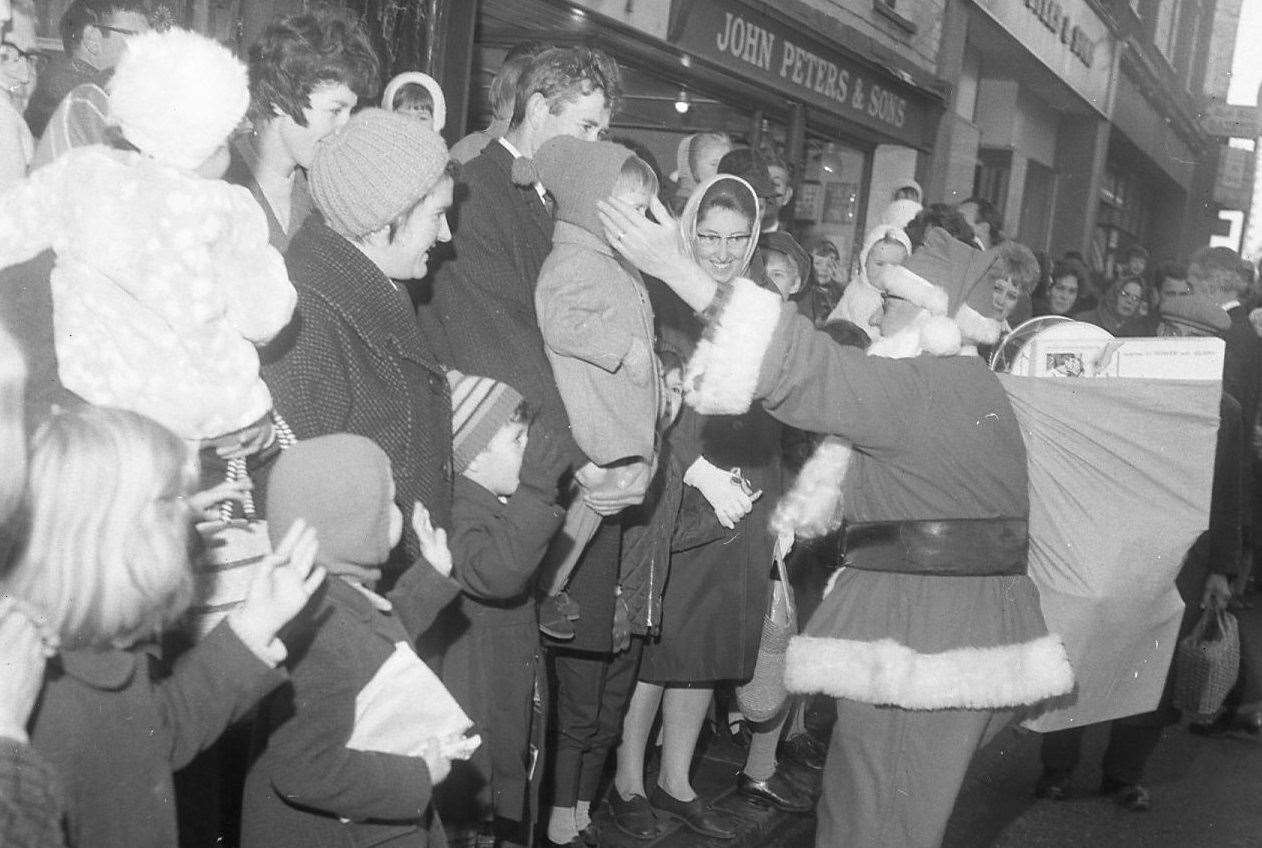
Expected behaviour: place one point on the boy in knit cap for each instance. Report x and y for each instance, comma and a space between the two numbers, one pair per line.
324, 773
503, 516
594, 311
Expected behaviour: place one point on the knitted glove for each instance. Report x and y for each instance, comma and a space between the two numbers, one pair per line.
543, 464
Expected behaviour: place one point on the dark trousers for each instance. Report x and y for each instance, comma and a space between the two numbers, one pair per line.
591, 693
1131, 742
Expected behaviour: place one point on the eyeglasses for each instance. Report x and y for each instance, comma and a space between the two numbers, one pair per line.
1129, 297
739, 240
1064, 289
127, 33
10, 53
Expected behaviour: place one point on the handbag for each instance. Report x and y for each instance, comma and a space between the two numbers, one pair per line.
229, 556
764, 695
1206, 663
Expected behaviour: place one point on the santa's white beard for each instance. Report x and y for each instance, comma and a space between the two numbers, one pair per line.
904, 344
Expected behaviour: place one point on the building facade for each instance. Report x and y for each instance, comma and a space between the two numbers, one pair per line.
1079, 120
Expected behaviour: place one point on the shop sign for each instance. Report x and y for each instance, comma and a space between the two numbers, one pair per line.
1227, 120
756, 45
1067, 36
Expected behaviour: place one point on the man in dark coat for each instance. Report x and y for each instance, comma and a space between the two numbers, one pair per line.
484, 297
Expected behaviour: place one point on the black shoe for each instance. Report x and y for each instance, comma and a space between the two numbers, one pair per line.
633, 816
591, 834
695, 815
805, 750
775, 790
1131, 796
554, 622
1052, 786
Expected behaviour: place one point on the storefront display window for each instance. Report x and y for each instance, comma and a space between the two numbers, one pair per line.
829, 199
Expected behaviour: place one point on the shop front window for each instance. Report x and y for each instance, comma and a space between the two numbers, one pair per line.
829, 200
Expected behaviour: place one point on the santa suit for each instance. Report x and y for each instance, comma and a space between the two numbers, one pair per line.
932, 636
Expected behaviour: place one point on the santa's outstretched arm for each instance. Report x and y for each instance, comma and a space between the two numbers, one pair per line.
757, 348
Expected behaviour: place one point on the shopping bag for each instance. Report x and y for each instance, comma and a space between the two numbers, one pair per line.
1206, 663
763, 696
229, 555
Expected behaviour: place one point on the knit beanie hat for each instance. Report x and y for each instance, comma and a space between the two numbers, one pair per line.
374, 169
746, 163
480, 406
178, 95
339, 485
577, 173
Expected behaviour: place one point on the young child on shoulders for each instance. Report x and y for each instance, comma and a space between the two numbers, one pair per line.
504, 513
105, 570
164, 283
351, 750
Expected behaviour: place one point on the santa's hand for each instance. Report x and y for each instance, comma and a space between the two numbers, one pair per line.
436, 761
726, 496
656, 248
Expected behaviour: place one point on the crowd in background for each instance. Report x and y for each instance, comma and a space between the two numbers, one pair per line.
307, 418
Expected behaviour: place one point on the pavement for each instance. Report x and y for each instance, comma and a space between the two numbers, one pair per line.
1206, 793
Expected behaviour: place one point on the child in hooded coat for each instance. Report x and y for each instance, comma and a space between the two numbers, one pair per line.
164, 283
308, 785
861, 298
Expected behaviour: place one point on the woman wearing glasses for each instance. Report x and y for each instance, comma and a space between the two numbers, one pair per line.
17, 74
1119, 305
717, 592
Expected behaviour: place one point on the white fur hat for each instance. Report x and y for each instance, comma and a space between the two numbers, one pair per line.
178, 95
425, 81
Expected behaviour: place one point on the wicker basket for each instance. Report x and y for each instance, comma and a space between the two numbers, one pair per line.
1206, 663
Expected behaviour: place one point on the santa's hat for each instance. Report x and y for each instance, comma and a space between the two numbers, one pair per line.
946, 277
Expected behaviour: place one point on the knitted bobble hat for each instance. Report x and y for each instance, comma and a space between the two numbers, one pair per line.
374, 169
178, 95
576, 173
480, 406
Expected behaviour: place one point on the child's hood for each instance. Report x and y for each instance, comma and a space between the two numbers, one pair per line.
576, 173
340, 485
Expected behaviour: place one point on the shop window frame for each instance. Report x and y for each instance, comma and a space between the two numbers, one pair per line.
887, 10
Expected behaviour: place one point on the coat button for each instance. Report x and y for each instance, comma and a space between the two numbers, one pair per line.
437, 384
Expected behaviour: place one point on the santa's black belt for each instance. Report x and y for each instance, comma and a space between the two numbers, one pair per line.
961, 547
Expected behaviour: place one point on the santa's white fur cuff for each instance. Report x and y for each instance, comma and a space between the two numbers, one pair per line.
886, 672
723, 372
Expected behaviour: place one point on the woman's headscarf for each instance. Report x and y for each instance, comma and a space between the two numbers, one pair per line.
692, 209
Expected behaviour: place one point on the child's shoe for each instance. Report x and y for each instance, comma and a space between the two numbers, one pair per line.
553, 621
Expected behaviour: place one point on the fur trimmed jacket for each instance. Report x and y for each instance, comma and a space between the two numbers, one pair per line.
164, 285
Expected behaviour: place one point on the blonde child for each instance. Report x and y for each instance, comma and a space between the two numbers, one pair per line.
164, 282
105, 569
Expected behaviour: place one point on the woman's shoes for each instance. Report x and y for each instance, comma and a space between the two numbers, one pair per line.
1052, 786
805, 750
633, 816
1131, 796
776, 790
695, 815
